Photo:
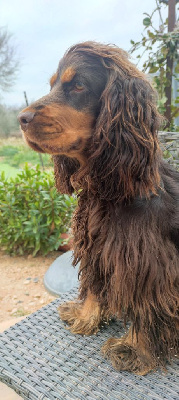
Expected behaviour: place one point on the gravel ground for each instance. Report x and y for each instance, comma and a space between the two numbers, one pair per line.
21, 280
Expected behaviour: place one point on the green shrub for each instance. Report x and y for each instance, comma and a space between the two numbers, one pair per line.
32, 213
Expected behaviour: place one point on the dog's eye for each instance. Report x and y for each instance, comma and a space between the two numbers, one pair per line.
78, 87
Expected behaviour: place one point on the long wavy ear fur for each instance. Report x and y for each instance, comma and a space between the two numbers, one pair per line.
125, 153
64, 168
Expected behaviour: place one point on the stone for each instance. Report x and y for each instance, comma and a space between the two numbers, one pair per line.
35, 280
14, 310
61, 276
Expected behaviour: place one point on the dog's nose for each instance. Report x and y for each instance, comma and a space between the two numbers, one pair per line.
24, 118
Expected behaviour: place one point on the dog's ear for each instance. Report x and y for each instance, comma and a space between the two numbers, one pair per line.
64, 168
125, 150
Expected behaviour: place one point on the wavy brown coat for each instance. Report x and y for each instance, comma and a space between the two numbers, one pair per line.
127, 221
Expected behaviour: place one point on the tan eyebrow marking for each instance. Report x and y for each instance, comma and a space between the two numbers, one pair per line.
53, 79
68, 75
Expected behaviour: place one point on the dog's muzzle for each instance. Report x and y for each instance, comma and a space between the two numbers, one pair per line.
25, 118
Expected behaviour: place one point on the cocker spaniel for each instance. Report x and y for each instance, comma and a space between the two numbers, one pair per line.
100, 123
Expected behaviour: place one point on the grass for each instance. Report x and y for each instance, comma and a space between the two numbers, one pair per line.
20, 313
14, 153
10, 171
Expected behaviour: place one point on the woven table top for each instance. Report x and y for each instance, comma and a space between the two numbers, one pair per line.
40, 359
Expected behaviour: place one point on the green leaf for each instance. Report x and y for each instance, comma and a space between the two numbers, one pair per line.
146, 21
151, 35
177, 68
153, 69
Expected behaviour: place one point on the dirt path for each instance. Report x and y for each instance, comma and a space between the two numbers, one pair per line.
21, 281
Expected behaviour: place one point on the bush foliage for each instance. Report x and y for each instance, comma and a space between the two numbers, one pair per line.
32, 213
160, 48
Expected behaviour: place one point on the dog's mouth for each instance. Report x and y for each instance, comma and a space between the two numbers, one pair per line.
54, 148
45, 149
35, 147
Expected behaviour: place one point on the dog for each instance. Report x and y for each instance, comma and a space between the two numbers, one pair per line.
100, 123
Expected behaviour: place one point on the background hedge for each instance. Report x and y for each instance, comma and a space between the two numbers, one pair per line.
32, 213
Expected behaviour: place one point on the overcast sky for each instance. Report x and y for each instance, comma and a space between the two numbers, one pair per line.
43, 29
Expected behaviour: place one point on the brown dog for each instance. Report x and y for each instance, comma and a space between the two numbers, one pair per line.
100, 123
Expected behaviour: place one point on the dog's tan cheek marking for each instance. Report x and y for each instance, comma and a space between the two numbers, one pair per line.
68, 130
73, 124
53, 79
68, 75
79, 127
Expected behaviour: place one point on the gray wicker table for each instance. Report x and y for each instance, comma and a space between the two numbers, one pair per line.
41, 360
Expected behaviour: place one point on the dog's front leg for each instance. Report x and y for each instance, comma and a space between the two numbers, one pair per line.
83, 317
130, 353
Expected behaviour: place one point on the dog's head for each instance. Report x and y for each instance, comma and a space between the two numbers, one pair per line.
100, 111
63, 121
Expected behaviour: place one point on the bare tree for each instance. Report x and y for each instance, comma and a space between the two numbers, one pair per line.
8, 62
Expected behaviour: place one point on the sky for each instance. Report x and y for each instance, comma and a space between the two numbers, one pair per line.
44, 29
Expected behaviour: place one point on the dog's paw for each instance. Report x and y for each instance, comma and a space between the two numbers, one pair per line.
125, 357
81, 319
